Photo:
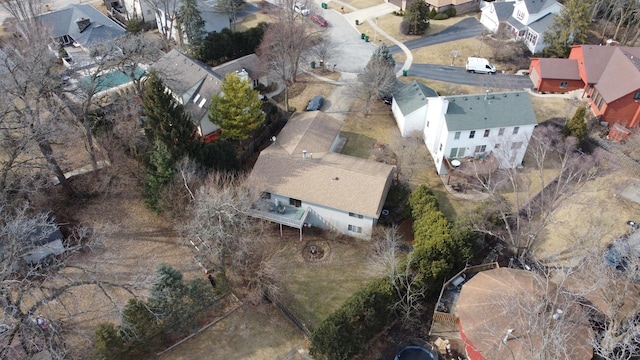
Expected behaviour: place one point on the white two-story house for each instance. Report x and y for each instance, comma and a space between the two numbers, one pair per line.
468, 127
528, 21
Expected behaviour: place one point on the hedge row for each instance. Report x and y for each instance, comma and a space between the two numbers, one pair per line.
346, 332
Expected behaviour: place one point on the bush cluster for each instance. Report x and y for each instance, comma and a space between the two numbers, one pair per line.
346, 332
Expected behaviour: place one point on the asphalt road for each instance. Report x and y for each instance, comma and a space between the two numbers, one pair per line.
458, 75
467, 28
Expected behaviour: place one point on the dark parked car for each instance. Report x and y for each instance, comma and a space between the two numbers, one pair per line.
315, 103
318, 20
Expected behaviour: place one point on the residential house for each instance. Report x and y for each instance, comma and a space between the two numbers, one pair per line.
193, 84
528, 21
305, 183
494, 309
495, 13
474, 127
409, 107
560, 75
462, 6
125, 10
80, 28
610, 77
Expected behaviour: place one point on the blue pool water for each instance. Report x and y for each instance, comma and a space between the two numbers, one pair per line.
111, 79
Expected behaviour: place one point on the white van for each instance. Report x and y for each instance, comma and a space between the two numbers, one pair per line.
480, 65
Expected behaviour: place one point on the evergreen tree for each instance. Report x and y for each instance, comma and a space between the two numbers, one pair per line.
570, 27
167, 120
139, 330
418, 17
577, 126
191, 22
381, 55
237, 109
134, 26
159, 173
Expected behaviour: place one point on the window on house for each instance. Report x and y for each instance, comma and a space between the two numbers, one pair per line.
481, 148
295, 202
355, 215
456, 136
266, 195
440, 149
516, 145
564, 84
457, 153
515, 130
486, 133
600, 103
637, 95
427, 124
356, 229
472, 134
501, 132
520, 15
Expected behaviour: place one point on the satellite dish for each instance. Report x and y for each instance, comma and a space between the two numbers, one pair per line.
455, 163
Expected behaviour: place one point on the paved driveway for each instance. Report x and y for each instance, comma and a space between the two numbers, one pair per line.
458, 75
350, 53
467, 28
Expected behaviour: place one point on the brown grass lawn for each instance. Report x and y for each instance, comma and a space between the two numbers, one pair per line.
358, 4
252, 20
441, 53
251, 333
553, 107
304, 89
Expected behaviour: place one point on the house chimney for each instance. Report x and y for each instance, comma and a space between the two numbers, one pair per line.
304, 154
83, 24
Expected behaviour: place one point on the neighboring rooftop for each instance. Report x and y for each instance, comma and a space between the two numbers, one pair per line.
83, 23
492, 110
413, 96
536, 6
621, 76
503, 9
542, 24
565, 69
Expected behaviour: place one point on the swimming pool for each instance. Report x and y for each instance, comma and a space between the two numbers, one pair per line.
111, 79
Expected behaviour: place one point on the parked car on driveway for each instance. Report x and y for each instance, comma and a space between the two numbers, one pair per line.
318, 20
315, 103
301, 9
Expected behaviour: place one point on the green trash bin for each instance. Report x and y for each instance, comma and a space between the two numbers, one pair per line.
362, 36
324, 5
357, 22
313, 64
366, 38
404, 72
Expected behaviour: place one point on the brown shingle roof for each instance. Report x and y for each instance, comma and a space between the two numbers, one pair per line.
621, 76
566, 69
595, 60
334, 180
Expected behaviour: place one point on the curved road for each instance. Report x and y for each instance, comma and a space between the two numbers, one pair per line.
459, 75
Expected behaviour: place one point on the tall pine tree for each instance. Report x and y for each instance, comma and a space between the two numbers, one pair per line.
570, 27
237, 109
167, 120
418, 17
191, 23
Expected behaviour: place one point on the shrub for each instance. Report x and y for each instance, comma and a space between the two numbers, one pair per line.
452, 11
108, 343
441, 16
577, 127
347, 331
404, 27
432, 13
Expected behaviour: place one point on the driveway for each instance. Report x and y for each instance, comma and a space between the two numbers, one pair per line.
458, 75
350, 53
467, 28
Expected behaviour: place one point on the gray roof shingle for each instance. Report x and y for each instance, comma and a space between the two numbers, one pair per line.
495, 110
413, 96
63, 22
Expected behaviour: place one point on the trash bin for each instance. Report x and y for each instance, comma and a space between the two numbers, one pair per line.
313, 64
324, 5
362, 36
366, 38
321, 64
357, 22
404, 72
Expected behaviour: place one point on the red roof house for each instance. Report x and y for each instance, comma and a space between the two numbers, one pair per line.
610, 77
560, 75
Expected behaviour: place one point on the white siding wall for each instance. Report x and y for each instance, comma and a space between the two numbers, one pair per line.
411, 122
340, 220
489, 18
435, 118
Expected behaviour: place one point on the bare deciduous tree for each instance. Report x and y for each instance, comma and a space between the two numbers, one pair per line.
519, 221
167, 16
